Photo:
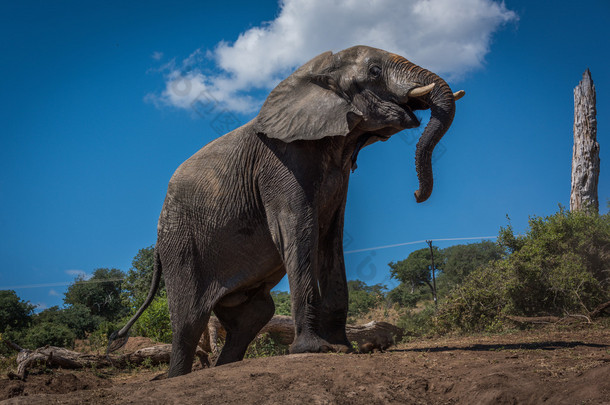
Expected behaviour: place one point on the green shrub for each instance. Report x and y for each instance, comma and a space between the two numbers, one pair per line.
475, 304
98, 339
155, 322
46, 333
418, 323
281, 299
403, 296
559, 267
77, 318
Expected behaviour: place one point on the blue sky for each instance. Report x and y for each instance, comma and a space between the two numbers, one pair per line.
95, 122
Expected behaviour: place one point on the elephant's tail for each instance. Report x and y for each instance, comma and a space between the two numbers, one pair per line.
120, 337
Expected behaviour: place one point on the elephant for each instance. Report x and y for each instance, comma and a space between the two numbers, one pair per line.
268, 199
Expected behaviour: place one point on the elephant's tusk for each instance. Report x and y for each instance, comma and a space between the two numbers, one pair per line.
421, 91
458, 95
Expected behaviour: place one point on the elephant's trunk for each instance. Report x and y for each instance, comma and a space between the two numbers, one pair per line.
442, 108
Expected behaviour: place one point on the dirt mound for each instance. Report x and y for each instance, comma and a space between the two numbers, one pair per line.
551, 366
57, 382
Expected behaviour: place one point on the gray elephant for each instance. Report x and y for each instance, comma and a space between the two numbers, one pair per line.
268, 199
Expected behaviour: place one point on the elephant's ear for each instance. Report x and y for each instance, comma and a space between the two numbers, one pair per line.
307, 105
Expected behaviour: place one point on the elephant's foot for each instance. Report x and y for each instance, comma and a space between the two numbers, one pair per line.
314, 344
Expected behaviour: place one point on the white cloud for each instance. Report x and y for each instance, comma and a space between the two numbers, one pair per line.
449, 37
77, 273
41, 306
54, 293
156, 55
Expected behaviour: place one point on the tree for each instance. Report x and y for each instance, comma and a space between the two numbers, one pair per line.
139, 277
359, 285
461, 260
403, 296
101, 294
585, 157
414, 271
76, 317
14, 313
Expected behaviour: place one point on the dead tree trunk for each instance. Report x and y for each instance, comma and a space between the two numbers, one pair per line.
53, 357
585, 158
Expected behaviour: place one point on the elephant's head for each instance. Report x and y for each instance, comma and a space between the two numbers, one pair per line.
364, 92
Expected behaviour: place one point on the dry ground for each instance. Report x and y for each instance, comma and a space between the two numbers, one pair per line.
551, 365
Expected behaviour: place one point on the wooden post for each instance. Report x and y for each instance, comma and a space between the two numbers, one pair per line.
585, 158
429, 242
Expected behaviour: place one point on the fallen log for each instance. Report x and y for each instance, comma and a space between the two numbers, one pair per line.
368, 337
55, 357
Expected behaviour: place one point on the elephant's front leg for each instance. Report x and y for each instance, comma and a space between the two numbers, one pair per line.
333, 285
295, 233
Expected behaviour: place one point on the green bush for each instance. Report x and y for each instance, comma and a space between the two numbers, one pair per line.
281, 299
478, 302
98, 339
361, 302
77, 318
418, 323
403, 296
155, 322
46, 333
560, 266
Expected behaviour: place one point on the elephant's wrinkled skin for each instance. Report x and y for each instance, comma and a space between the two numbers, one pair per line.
269, 197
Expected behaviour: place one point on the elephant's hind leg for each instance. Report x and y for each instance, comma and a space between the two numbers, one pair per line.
188, 322
243, 322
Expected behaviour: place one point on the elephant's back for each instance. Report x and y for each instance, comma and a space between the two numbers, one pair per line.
216, 187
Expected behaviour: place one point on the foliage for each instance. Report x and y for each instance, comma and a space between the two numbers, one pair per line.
155, 322
14, 312
77, 318
404, 296
46, 333
477, 303
559, 267
139, 277
418, 322
562, 265
281, 299
415, 270
363, 298
101, 294
98, 339
508, 239
461, 260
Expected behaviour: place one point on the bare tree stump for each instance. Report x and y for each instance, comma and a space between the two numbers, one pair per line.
585, 157
371, 336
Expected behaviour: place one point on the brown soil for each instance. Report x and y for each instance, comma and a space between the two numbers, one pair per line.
551, 366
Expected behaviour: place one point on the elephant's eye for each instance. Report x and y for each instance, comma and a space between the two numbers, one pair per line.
375, 70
